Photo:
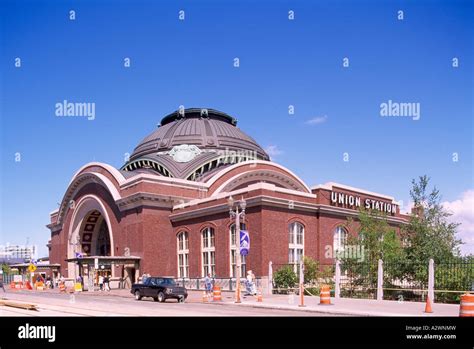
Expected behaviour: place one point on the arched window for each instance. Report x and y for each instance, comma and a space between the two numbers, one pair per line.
296, 243
208, 252
183, 254
234, 249
340, 239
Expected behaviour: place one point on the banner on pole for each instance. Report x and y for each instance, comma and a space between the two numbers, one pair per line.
244, 242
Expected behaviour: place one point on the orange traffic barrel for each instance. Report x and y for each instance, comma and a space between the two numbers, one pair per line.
466, 307
216, 292
325, 295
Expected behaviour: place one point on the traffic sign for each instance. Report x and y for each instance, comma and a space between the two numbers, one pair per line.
31, 268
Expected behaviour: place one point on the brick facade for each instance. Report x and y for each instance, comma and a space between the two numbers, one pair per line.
145, 214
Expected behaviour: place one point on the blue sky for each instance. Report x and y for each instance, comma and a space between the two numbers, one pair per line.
282, 63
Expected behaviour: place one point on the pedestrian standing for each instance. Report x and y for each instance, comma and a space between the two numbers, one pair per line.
101, 282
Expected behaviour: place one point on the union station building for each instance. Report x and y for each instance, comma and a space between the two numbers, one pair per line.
165, 211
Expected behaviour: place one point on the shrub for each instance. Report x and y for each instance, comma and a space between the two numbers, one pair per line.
285, 278
311, 270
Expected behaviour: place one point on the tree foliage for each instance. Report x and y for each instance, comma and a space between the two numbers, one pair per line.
285, 277
6, 269
429, 234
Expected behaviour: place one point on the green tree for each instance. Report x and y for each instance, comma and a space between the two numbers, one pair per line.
429, 234
6, 269
377, 240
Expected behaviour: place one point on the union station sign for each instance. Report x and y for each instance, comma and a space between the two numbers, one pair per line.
355, 201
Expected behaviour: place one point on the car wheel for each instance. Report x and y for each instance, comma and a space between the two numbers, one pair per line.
138, 295
181, 299
161, 297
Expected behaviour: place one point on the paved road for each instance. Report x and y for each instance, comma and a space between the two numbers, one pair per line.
53, 304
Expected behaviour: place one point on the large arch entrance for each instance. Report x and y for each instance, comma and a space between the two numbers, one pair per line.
90, 234
91, 247
94, 235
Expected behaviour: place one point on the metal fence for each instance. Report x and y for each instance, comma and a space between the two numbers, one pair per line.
7, 278
226, 284
452, 280
402, 281
405, 281
358, 280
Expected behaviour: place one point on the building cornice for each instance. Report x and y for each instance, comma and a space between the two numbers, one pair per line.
270, 201
149, 199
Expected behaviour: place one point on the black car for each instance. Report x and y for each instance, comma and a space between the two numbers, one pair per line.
160, 289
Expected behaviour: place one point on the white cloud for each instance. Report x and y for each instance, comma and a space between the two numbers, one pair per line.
317, 120
405, 207
273, 151
463, 212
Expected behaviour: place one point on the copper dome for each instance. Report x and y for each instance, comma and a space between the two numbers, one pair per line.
192, 142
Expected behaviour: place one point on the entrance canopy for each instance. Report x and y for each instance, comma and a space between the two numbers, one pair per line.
88, 262
106, 260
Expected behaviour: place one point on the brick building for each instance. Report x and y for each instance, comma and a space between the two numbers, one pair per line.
165, 212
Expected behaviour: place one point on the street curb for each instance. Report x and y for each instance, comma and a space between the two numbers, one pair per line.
279, 307
325, 311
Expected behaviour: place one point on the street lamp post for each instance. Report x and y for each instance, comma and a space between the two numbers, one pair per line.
74, 243
235, 213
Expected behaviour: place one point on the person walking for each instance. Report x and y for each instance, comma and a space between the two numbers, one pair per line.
2, 285
107, 283
250, 283
208, 285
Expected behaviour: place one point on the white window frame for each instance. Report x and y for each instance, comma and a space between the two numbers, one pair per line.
208, 252
183, 252
295, 247
233, 248
339, 243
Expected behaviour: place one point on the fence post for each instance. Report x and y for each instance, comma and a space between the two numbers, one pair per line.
301, 284
337, 290
431, 280
270, 278
380, 281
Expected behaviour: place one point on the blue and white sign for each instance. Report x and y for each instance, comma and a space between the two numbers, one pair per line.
79, 255
244, 242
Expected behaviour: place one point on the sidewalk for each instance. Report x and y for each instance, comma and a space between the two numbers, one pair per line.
342, 306
354, 307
